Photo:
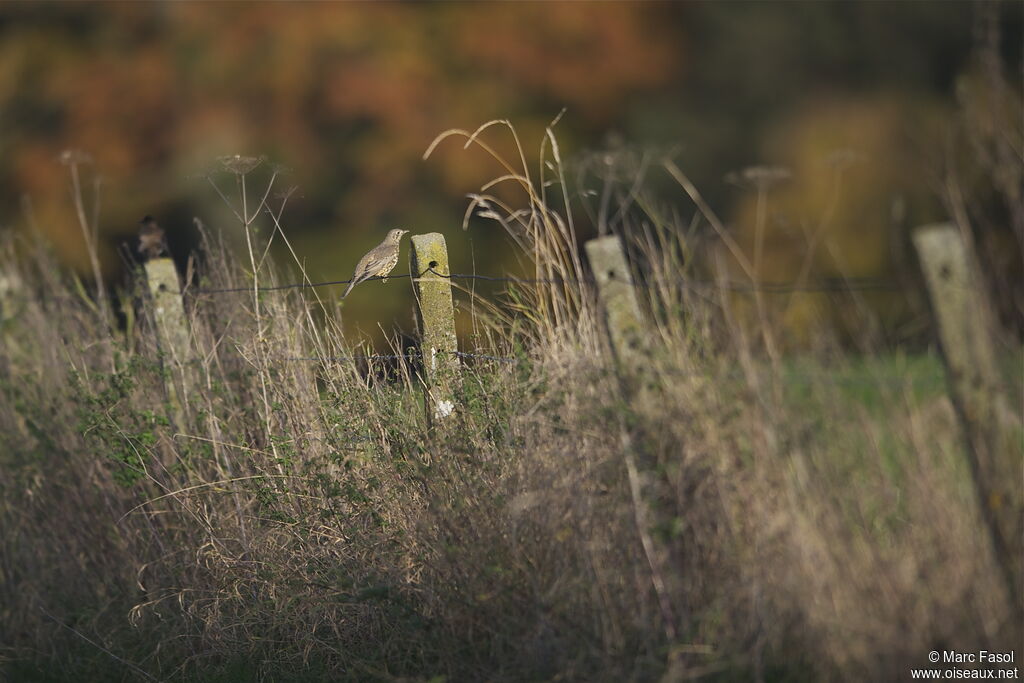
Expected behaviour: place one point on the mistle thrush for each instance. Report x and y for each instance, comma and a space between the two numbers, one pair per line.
152, 241
379, 261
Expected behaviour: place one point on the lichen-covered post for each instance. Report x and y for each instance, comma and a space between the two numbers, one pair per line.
617, 296
429, 267
966, 326
168, 315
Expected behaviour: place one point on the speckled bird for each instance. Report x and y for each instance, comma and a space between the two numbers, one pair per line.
379, 261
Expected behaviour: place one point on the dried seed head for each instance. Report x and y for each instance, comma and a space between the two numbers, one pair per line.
240, 165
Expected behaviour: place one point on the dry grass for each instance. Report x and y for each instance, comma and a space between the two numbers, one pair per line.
302, 521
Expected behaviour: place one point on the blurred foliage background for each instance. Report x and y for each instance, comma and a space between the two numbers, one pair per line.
887, 101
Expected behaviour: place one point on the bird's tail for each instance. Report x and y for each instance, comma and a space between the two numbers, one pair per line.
348, 289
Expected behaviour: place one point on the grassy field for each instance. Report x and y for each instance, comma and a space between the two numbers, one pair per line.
708, 515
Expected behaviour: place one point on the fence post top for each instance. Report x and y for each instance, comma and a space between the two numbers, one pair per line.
427, 240
934, 228
429, 236
605, 241
429, 251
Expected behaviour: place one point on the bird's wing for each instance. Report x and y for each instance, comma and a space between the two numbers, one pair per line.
361, 272
363, 267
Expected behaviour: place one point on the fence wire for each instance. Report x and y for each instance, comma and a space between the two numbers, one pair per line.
398, 356
839, 377
859, 284
296, 285
830, 285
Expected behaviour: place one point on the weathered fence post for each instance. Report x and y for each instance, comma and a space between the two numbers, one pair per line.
168, 313
617, 296
11, 288
428, 262
12, 293
966, 329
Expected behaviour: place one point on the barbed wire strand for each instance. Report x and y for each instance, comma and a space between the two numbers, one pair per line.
297, 285
808, 377
398, 356
830, 285
796, 377
501, 359
338, 359
837, 285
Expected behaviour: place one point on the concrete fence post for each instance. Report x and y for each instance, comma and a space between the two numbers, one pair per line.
168, 316
428, 262
12, 294
966, 326
617, 296
625, 326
